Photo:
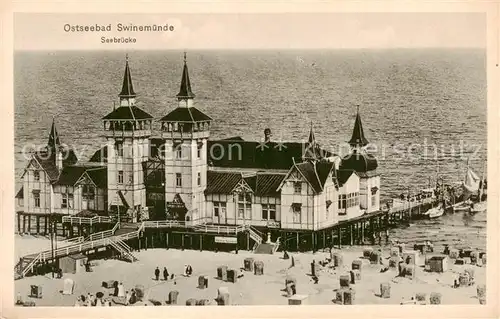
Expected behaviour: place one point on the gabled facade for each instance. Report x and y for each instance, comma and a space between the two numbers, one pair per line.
184, 175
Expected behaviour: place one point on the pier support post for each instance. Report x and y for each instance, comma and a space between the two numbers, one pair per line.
146, 239
24, 224
331, 238
324, 239
313, 242
201, 242
339, 235
248, 241
37, 225
166, 239
29, 224
362, 232
182, 241
18, 223
297, 233
351, 235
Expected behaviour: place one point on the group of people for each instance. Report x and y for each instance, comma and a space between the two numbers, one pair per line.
125, 298
92, 301
165, 274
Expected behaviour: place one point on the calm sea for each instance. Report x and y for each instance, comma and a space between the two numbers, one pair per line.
415, 104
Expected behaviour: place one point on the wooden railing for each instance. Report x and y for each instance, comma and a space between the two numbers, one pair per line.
163, 223
29, 267
105, 238
103, 234
76, 239
219, 229
176, 223
86, 220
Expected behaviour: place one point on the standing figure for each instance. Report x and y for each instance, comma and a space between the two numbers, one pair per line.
165, 274
121, 290
157, 273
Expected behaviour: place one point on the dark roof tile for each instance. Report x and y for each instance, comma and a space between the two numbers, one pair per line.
128, 113
267, 184
186, 114
20, 193
222, 182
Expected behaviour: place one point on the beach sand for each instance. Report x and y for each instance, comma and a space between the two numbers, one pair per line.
251, 289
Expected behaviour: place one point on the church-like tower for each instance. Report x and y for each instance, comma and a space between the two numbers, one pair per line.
365, 166
185, 130
127, 130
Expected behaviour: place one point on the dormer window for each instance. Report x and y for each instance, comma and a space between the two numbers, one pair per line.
36, 175
297, 187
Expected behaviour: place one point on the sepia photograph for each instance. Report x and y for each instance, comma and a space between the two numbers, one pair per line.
221, 159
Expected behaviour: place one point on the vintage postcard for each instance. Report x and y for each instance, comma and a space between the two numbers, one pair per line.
288, 158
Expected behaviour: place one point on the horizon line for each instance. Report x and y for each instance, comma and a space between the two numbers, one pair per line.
262, 49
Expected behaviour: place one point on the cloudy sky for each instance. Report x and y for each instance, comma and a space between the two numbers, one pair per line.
39, 31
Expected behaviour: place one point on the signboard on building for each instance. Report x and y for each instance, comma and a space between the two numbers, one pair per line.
176, 203
226, 240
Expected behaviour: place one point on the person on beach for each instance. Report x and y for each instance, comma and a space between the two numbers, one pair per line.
77, 302
157, 273
165, 273
133, 298
127, 298
115, 290
121, 290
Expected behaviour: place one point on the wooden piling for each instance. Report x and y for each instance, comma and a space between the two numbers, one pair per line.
29, 224
351, 235
339, 235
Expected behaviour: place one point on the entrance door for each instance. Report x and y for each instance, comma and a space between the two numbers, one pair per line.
220, 212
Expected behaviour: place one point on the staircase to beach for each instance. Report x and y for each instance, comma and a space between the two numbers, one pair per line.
114, 237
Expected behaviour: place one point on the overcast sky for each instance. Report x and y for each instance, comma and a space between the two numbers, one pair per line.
35, 31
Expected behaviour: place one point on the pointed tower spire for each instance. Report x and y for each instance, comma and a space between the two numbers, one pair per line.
312, 152
127, 87
312, 139
54, 141
185, 92
358, 136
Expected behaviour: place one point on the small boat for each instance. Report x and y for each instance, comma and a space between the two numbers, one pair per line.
481, 205
435, 212
477, 208
462, 206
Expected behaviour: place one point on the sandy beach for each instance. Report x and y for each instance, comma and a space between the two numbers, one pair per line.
251, 289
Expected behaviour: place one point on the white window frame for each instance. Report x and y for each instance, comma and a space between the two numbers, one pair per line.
297, 213
220, 209
267, 209
244, 205
36, 199
120, 177
178, 179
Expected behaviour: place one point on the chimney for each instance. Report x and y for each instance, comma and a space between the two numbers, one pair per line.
267, 134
